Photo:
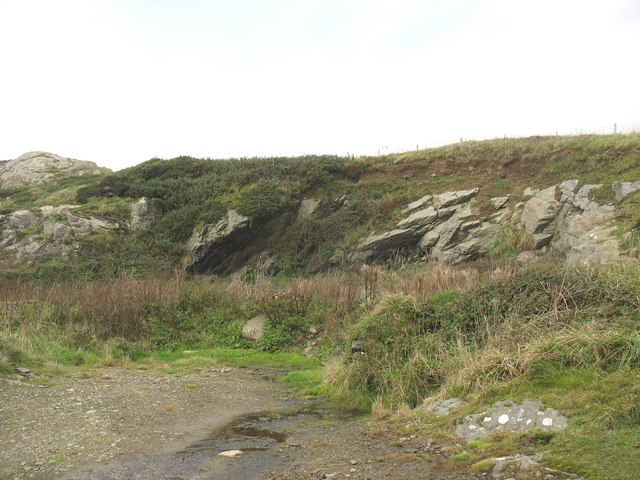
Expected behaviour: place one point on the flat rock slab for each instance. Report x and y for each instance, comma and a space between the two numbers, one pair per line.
509, 416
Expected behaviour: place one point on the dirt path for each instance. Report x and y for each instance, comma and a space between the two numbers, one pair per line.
123, 424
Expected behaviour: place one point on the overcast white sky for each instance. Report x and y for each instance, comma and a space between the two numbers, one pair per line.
121, 81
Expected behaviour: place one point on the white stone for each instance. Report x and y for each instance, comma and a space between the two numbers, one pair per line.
540, 210
547, 422
503, 419
487, 419
254, 328
230, 453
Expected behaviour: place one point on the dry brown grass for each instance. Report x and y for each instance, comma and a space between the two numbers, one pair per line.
122, 306
117, 307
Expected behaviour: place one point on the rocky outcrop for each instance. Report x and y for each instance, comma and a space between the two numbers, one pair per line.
538, 214
226, 246
447, 227
50, 231
584, 231
508, 416
443, 226
143, 215
623, 189
418, 203
39, 168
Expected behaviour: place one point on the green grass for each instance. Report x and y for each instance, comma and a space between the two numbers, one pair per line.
242, 358
309, 380
113, 209
603, 409
483, 466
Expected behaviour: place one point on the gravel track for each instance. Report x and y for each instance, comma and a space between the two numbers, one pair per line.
114, 423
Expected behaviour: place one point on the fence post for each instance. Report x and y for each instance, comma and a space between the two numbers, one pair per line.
615, 128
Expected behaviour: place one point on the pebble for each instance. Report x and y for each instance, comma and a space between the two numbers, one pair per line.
230, 453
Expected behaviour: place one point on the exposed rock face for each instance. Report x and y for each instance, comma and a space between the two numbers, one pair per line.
447, 227
453, 198
419, 219
226, 246
143, 215
538, 213
379, 246
39, 168
52, 231
622, 189
418, 203
584, 232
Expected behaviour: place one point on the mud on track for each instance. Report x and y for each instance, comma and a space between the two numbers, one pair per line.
138, 424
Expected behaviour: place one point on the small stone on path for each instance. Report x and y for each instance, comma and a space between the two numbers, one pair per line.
230, 453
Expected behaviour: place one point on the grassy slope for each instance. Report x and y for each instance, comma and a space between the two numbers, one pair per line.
191, 192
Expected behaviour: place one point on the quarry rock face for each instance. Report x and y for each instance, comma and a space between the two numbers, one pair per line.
584, 231
226, 246
39, 168
453, 227
448, 227
418, 203
215, 237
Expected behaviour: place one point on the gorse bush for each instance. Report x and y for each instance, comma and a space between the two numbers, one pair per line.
262, 199
189, 190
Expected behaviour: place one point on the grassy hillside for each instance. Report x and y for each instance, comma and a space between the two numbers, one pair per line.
192, 192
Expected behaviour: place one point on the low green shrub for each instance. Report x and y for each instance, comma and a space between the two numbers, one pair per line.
262, 199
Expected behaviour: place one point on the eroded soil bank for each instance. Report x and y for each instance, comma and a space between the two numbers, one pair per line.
115, 423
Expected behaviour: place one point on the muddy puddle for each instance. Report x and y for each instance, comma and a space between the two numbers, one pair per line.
265, 439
